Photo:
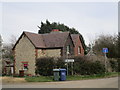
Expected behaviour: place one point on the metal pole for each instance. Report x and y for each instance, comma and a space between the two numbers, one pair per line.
67, 67
67, 63
72, 68
105, 62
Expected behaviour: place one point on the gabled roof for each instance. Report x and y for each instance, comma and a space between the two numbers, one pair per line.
36, 39
50, 40
55, 39
75, 38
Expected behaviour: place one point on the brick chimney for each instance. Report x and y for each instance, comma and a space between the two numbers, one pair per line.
55, 31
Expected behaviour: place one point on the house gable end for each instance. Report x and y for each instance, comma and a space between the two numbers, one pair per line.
23, 34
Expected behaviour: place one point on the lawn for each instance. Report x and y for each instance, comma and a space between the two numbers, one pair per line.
70, 78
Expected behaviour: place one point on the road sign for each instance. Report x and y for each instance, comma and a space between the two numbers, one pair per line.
105, 50
69, 60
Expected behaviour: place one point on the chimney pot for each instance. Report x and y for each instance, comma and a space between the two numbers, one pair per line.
55, 30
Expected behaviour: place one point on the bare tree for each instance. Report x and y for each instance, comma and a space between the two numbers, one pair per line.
0, 47
13, 40
7, 48
1, 66
106, 41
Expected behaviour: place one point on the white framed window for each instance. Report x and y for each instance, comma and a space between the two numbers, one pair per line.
68, 49
25, 66
79, 50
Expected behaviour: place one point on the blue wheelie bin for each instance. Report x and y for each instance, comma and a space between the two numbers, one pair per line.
62, 74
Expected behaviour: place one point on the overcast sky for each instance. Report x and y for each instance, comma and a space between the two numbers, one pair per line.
89, 18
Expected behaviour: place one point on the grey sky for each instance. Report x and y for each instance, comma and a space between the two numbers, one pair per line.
89, 18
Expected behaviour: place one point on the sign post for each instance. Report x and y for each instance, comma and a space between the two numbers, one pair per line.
105, 50
69, 60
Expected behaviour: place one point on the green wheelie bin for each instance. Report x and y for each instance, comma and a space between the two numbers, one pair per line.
56, 74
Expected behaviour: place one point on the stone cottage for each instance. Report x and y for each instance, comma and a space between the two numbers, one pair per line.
31, 46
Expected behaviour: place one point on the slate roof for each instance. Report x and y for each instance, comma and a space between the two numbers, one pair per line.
50, 40
75, 38
55, 39
36, 39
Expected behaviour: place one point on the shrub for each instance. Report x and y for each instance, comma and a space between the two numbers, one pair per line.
114, 65
118, 61
45, 66
60, 63
83, 66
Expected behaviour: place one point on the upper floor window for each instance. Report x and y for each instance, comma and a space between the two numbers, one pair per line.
68, 49
79, 50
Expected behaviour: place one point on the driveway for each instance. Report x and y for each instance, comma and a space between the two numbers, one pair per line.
92, 83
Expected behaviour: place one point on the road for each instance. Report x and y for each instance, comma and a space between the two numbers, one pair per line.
92, 83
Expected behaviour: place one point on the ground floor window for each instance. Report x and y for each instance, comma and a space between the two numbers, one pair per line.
25, 65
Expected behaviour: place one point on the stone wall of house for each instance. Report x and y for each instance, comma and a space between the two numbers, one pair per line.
49, 53
25, 52
53, 52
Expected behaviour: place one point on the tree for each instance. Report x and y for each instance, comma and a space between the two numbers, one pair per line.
106, 41
118, 45
0, 47
1, 66
48, 27
13, 40
7, 48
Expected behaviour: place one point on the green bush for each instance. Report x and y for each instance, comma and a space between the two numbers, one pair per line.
60, 63
83, 66
45, 66
114, 65
118, 61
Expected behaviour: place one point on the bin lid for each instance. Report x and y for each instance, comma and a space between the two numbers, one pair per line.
62, 69
56, 70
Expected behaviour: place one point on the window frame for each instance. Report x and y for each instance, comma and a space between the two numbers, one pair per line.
68, 49
79, 50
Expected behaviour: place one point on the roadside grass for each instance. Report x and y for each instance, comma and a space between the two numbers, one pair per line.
71, 78
39, 79
96, 76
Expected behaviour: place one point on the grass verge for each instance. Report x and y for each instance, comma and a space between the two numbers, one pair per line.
96, 76
70, 78
39, 79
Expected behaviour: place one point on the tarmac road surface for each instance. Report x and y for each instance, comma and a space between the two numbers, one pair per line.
92, 83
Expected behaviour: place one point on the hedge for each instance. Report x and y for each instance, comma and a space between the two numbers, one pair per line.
82, 66
46, 65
